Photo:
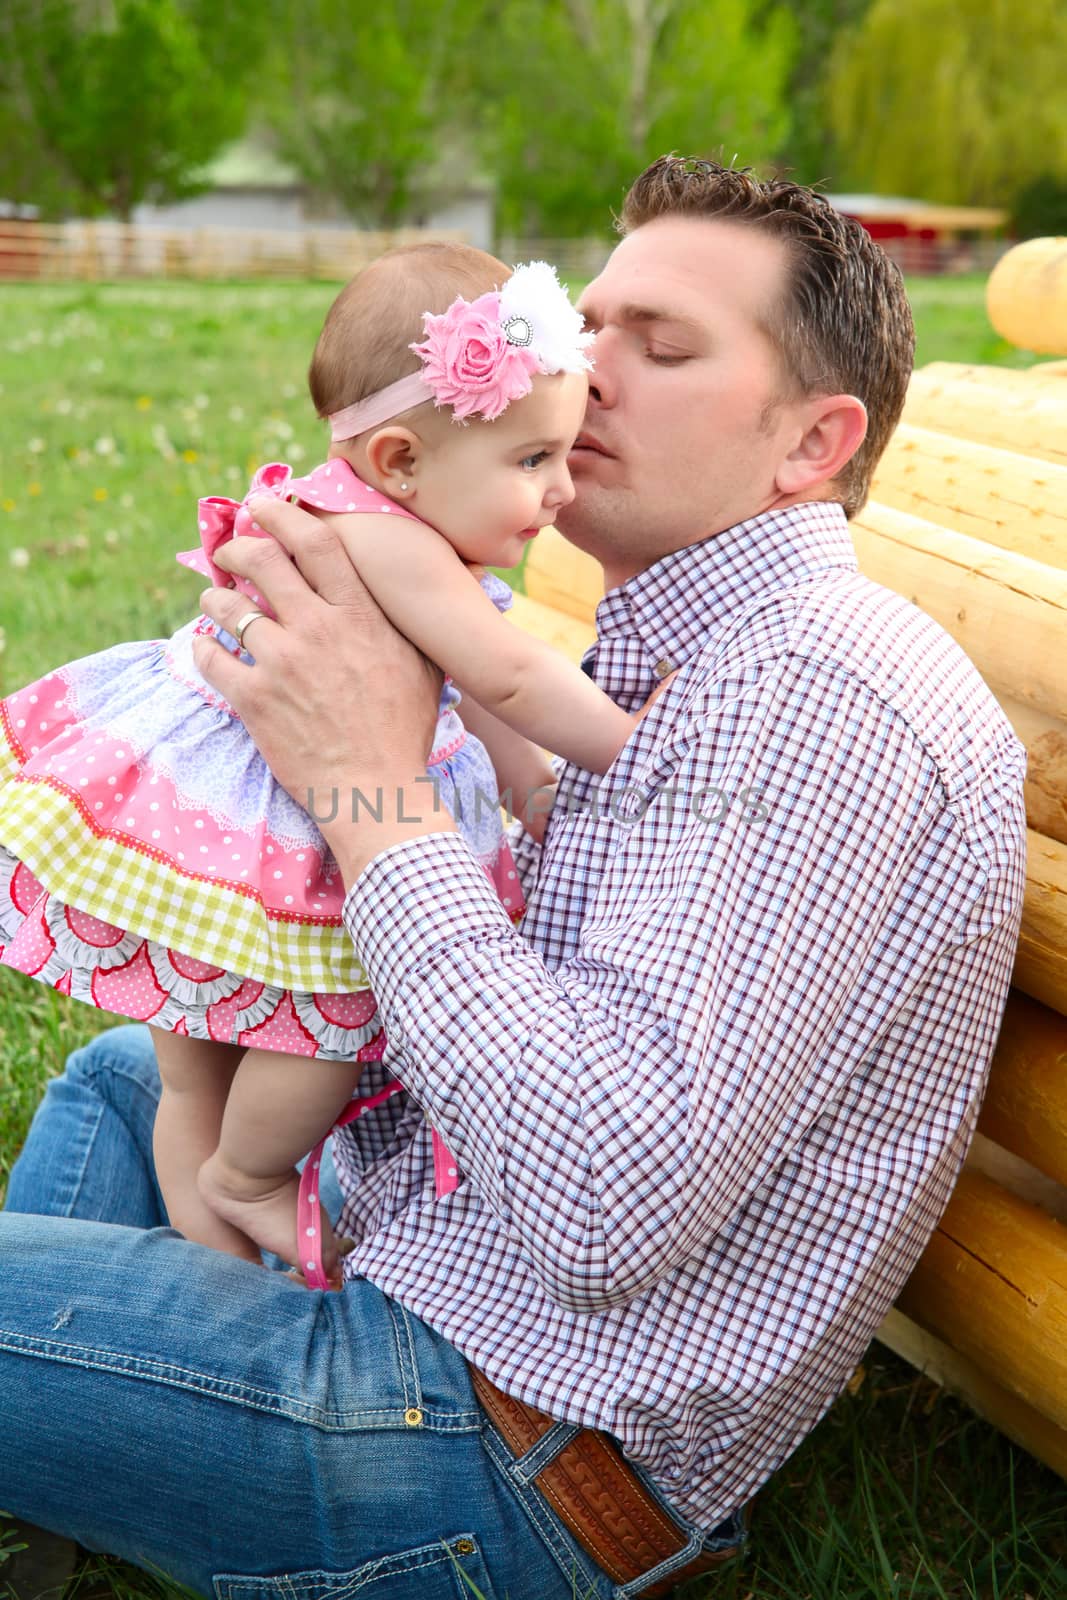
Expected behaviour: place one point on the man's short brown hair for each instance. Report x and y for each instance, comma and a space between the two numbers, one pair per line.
844, 326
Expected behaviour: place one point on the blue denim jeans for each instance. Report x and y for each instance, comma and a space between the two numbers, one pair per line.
205, 1418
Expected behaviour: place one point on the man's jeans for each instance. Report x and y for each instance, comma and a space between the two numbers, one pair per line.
217, 1421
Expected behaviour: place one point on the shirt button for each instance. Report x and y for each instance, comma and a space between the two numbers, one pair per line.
413, 1417
663, 666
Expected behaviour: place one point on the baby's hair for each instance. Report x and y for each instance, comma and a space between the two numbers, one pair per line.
364, 341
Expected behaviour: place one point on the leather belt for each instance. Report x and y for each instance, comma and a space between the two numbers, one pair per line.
597, 1496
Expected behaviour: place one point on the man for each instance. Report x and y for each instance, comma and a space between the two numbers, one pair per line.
708, 1104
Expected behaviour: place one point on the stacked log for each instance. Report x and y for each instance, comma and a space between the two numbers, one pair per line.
968, 518
1027, 296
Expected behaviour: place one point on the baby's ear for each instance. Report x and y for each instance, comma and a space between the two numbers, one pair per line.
391, 456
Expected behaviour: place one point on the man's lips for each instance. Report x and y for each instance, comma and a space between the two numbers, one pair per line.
588, 441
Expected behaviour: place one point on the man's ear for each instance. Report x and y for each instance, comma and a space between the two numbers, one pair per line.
392, 455
834, 427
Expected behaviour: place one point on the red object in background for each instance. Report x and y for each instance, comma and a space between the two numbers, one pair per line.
923, 251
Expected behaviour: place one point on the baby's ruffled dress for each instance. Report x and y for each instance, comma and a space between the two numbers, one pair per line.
151, 865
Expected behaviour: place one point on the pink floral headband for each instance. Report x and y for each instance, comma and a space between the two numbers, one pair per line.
482, 354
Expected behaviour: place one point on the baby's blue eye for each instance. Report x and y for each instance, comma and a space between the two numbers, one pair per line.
530, 463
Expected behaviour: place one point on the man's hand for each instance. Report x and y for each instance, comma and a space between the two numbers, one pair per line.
337, 700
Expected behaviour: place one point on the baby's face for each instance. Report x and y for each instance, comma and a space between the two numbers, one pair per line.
489, 487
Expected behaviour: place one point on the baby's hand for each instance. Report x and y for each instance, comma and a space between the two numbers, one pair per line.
654, 696
536, 811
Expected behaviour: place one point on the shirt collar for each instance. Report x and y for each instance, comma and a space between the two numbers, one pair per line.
673, 606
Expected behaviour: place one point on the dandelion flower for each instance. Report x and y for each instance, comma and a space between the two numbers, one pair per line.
7, 505
33, 488
144, 402
99, 494
190, 456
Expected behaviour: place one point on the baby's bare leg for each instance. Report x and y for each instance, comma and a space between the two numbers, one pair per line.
278, 1108
196, 1076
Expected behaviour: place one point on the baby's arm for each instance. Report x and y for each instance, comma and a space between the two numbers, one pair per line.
426, 591
524, 775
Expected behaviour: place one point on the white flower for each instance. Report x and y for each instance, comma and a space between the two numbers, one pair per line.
104, 446
111, 536
64, 406
36, 447
236, 414
201, 402
534, 294
19, 558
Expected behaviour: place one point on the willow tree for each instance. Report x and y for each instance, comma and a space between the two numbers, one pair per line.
952, 100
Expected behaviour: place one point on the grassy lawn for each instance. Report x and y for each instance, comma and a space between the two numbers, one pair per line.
118, 407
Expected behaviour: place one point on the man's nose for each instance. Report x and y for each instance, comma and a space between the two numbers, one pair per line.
602, 379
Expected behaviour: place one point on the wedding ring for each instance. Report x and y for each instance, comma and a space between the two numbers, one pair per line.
248, 618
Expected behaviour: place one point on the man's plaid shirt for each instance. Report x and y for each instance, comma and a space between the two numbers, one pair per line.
710, 1100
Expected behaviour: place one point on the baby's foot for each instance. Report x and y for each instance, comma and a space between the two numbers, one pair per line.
265, 1209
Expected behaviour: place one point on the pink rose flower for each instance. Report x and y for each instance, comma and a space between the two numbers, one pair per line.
468, 362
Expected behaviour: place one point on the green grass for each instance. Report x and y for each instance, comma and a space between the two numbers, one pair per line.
951, 324
119, 405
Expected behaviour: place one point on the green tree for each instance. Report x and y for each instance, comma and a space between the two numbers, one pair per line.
371, 96
952, 100
579, 95
105, 104
809, 153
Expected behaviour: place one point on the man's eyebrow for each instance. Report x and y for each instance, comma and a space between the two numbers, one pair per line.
635, 313
677, 319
